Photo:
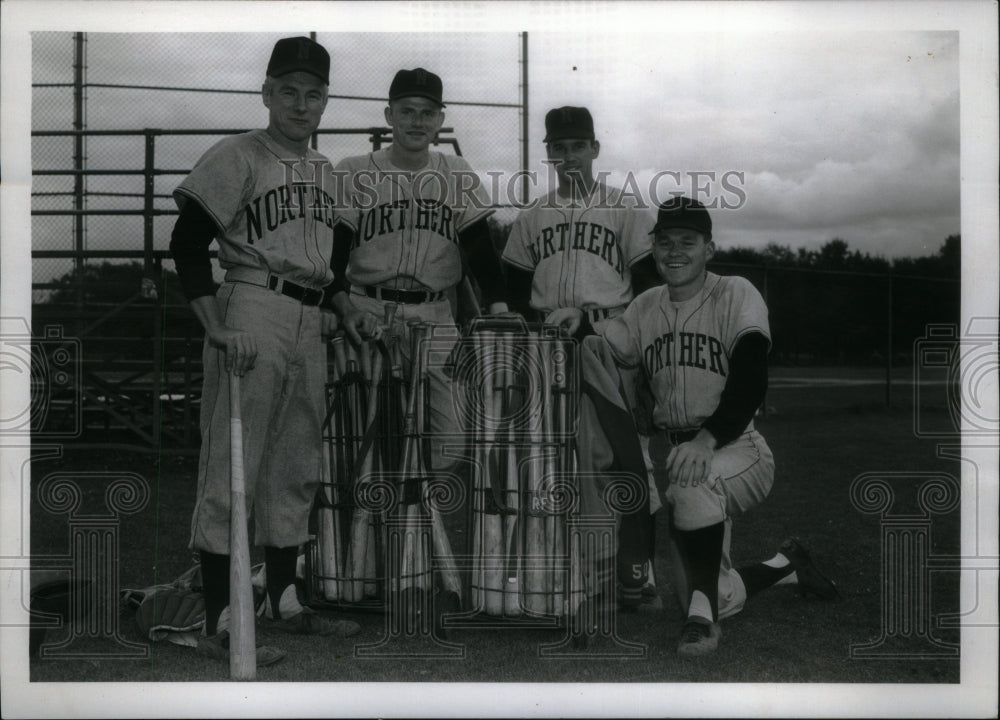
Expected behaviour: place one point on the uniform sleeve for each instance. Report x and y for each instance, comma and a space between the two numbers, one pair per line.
220, 182
473, 203
747, 312
515, 252
636, 240
622, 336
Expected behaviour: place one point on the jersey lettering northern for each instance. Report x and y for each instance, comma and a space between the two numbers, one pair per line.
580, 254
274, 214
684, 347
406, 224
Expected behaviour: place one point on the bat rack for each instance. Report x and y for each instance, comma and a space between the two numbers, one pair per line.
520, 547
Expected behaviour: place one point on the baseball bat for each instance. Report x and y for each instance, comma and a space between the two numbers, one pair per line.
416, 545
559, 434
493, 545
536, 599
372, 388
553, 522
328, 534
242, 642
328, 540
512, 546
361, 521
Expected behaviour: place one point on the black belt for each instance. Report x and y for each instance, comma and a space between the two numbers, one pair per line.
676, 437
410, 297
306, 296
598, 314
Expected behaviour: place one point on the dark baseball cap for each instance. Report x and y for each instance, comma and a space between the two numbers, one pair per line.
299, 54
568, 122
416, 83
683, 212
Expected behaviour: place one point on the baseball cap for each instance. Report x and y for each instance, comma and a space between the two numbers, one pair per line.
683, 212
416, 83
568, 122
299, 54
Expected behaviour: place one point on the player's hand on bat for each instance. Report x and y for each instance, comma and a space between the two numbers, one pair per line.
690, 462
329, 324
568, 318
361, 325
240, 347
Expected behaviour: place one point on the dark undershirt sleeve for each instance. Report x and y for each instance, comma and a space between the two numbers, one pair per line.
744, 391
193, 233
481, 257
519, 290
645, 276
343, 241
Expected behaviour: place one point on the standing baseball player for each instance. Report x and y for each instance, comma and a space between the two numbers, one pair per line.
406, 217
261, 195
702, 342
584, 247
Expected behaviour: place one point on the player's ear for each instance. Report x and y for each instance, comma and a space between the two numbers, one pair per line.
265, 93
597, 147
709, 248
388, 115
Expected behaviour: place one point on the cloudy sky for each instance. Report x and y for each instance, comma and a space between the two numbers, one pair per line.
850, 133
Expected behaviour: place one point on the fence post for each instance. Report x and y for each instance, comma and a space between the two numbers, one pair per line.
151, 270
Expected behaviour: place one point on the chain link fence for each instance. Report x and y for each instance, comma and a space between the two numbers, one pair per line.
102, 82
118, 119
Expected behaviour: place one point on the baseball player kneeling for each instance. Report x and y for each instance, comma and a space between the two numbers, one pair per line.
702, 342
260, 194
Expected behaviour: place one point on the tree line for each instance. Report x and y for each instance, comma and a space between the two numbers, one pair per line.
830, 305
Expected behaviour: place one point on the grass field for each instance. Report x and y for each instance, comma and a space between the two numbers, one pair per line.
823, 437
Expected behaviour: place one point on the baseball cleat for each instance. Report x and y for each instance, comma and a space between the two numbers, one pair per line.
217, 648
811, 580
309, 622
699, 638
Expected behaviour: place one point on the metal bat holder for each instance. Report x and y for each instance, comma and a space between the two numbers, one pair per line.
526, 558
380, 543
345, 564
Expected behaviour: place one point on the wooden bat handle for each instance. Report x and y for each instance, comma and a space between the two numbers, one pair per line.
242, 642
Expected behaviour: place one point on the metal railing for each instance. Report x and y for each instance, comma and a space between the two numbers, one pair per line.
147, 400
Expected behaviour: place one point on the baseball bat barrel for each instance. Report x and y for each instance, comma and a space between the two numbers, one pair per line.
328, 534
365, 363
553, 522
493, 547
512, 546
242, 640
360, 521
536, 600
412, 460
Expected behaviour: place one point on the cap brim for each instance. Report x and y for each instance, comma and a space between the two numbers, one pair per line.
678, 227
571, 136
416, 94
281, 72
